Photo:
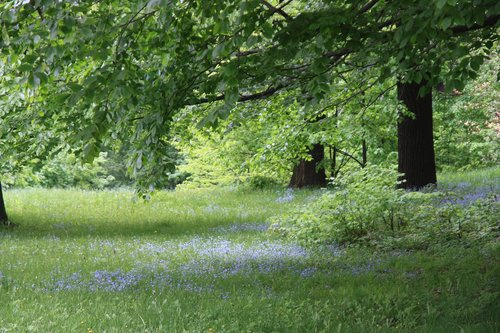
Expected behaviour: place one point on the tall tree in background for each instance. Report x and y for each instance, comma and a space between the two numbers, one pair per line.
310, 172
416, 157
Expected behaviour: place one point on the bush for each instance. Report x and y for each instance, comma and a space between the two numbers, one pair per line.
260, 182
365, 207
65, 170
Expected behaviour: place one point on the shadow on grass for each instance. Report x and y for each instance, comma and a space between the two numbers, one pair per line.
29, 227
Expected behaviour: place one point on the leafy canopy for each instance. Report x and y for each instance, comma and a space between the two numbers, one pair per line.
80, 75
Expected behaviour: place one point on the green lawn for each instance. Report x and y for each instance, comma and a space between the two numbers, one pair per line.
201, 261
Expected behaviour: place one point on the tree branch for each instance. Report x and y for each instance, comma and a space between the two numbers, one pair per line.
126, 25
349, 155
138, 18
284, 4
276, 10
244, 98
368, 6
247, 53
490, 21
338, 54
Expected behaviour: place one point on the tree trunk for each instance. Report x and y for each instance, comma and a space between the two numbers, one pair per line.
307, 173
333, 159
3, 213
364, 153
416, 158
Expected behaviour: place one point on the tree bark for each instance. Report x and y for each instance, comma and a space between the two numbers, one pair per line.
3, 213
307, 173
364, 153
416, 158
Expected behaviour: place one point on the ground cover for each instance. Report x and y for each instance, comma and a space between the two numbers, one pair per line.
202, 261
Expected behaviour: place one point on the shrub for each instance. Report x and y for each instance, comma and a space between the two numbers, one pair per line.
262, 182
366, 207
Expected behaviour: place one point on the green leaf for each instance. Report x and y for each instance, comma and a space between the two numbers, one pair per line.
440, 4
74, 86
418, 77
267, 30
459, 52
30, 58
445, 23
386, 73
218, 50
476, 62
41, 76
5, 36
398, 35
33, 81
25, 68
9, 16
138, 162
90, 151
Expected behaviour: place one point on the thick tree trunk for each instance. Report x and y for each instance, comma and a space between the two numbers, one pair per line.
307, 173
415, 138
3, 213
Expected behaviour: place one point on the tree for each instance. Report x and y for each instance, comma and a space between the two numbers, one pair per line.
416, 158
309, 172
4, 220
121, 70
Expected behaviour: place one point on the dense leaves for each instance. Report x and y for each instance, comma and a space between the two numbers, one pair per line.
94, 74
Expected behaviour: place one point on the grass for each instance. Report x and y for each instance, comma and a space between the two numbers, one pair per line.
489, 177
199, 261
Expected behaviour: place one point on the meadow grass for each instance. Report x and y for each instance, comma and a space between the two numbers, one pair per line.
474, 178
201, 261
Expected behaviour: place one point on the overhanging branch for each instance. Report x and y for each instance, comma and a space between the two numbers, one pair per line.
276, 10
490, 21
243, 98
368, 6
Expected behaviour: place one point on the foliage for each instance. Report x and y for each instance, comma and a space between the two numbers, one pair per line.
224, 155
269, 136
365, 207
467, 129
65, 170
86, 74
363, 202
467, 223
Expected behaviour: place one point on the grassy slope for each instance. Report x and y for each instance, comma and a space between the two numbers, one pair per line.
196, 261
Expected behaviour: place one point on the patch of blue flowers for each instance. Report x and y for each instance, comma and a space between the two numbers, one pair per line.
212, 259
286, 197
463, 198
119, 280
240, 227
209, 261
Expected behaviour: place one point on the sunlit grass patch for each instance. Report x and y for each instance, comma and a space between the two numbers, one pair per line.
471, 179
113, 213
